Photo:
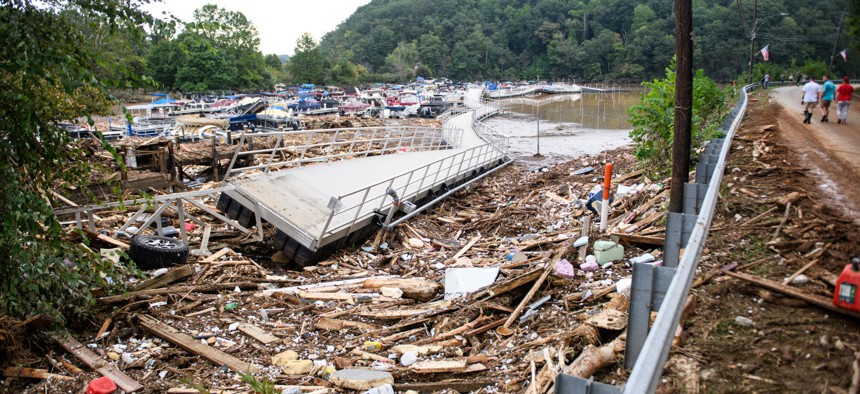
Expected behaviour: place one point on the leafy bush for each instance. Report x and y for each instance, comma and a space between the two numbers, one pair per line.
653, 119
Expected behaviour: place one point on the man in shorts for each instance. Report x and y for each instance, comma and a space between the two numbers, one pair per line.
811, 92
843, 100
828, 93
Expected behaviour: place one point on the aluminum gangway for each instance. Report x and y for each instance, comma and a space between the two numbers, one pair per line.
344, 195
533, 89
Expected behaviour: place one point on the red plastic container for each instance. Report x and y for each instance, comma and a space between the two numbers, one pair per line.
102, 385
847, 295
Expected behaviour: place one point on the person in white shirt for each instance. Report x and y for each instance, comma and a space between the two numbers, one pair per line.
811, 92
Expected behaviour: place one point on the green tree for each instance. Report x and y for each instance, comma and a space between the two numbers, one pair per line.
204, 67
402, 62
653, 118
47, 76
306, 65
236, 37
163, 62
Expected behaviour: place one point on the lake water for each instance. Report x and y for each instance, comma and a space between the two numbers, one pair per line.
570, 125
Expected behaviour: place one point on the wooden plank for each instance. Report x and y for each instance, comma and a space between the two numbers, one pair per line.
437, 366
21, 372
194, 346
167, 278
95, 362
825, 303
106, 239
325, 323
468, 246
207, 288
217, 255
417, 289
258, 333
462, 386
632, 239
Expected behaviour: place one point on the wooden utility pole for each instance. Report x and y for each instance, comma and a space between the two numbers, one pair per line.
836, 44
683, 103
752, 37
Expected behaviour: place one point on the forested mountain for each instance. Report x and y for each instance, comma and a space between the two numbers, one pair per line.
591, 40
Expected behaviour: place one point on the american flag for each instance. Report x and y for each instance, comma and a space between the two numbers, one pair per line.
765, 52
844, 54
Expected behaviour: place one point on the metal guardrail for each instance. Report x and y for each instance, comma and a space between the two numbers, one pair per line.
648, 366
306, 146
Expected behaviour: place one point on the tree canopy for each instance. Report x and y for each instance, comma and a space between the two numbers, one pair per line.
591, 40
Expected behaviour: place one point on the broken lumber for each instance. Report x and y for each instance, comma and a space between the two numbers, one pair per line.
593, 359
257, 333
325, 323
95, 362
632, 239
167, 278
193, 346
439, 366
461, 386
776, 286
505, 328
416, 289
209, 288
34, 373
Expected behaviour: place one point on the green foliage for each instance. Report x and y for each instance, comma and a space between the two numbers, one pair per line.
814, 69
306, 65
612, 40
653, 118
265, 386
51, 73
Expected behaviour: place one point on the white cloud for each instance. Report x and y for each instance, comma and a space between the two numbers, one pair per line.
280, 23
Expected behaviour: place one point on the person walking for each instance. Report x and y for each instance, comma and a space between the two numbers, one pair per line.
766, 80
811, 92
828, 92
843, 100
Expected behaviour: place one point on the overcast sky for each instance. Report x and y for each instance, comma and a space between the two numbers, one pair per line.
280, 23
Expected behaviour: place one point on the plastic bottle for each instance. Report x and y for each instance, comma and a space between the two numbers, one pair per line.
845, 296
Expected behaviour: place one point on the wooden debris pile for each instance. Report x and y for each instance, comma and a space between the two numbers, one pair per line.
384, 306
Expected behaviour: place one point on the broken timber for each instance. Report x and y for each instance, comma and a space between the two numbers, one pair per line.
95, 362
194, 346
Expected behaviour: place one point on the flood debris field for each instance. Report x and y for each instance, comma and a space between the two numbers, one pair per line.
382, 306
493, 290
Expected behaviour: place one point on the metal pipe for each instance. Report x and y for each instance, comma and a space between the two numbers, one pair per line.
442, 197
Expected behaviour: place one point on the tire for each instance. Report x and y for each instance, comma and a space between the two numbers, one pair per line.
153, 251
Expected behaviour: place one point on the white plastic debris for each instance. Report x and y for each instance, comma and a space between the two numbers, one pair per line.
623, 286
408, 358
462, 281
580, 242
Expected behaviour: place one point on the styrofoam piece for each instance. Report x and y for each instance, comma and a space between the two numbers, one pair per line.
582, 241
645, 258
462, 281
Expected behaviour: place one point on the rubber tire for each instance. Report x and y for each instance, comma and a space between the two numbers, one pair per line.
153, 251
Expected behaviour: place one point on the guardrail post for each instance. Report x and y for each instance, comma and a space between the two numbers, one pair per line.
647, 292
569, 384
679, 226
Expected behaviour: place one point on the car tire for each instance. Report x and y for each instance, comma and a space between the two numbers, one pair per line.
153, 251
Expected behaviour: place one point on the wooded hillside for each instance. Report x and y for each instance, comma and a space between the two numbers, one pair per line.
584, 39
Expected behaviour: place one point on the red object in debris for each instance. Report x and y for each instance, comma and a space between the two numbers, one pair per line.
102, 385
846, 293
189, 226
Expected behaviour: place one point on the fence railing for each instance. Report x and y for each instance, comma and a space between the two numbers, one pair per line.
293, 148
353, 207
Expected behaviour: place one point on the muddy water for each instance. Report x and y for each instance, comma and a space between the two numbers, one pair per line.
570, 125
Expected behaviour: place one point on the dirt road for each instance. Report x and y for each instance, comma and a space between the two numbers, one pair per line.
830, 149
